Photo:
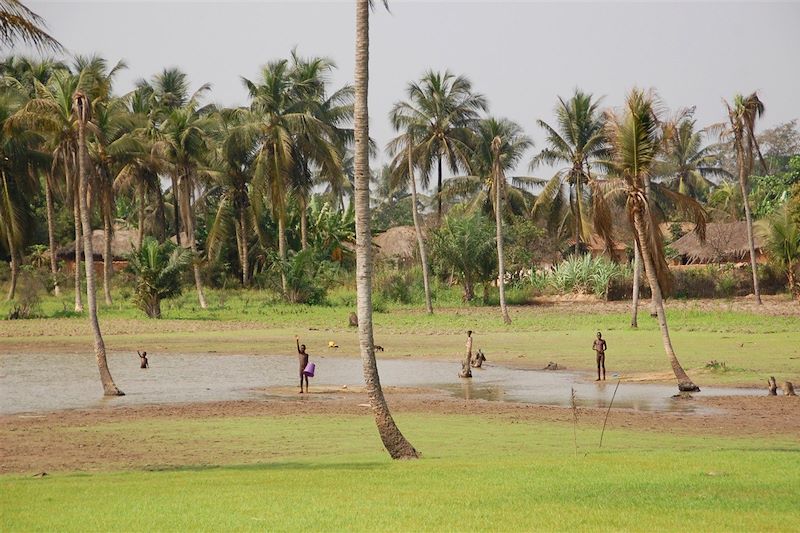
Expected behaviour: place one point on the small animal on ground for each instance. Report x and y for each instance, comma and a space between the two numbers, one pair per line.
378, 348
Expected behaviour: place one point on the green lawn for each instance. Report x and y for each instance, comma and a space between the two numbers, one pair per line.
330, 474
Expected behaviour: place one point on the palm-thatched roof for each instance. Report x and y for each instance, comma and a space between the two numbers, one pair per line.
399, 242
123, 242
725, 242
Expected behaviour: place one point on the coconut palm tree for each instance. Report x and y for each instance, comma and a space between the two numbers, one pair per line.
20, 24
634, 143
184, 142
83, 113
394, 441
402, 170
51, 114
577, 142
158, 269
440, 111
742, 115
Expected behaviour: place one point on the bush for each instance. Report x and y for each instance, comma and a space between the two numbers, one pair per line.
308, 277
580, 275
158, 269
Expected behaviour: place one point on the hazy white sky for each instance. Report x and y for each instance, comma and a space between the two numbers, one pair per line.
521, 55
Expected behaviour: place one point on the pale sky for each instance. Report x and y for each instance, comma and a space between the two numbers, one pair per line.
521, 55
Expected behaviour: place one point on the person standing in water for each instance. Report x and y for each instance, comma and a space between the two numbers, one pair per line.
466, 370
599, 346
302, 357
143, 363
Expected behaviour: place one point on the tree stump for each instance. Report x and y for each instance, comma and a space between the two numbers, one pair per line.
353, 319
772, 386
788, 388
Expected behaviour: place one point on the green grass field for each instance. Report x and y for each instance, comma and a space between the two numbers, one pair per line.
330, 474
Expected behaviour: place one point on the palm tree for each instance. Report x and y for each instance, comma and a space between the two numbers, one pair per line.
402, 170
635, 142
578, 141
440, 113
20, 24
781, 234
184, 142
742, 115
51, 113
500, 144
394, 441
83, 113
158, 269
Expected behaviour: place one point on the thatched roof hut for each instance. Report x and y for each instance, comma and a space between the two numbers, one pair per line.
123, 242
398, 243
725, 243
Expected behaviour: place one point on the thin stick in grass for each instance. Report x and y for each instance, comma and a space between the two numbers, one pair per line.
608, 411
574, 405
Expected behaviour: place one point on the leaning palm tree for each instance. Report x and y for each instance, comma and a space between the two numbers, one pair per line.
20, 24
83, 112
635, 141
577, 142
742, 115
394, 441
440, 112
402, 169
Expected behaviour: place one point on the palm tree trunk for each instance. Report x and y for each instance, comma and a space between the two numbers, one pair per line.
684, 383
245, 248
108, 259
12, 288
578, 213
423, 254
282, 251
501, 269
439, 190
189, 223
303, 225
394, 441
51, 234
637, 270
76, 215
648, 193
161, 215
176, 211
749, 220
109, 388
140, 236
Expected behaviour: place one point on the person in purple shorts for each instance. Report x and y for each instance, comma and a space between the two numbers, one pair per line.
302, 358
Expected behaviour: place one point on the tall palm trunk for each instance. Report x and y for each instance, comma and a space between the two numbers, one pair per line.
76, 215
140, 235
109, 388
245, 247
394, 441
51, 234
303, 224
282, 252
439, 190
176, 212
637, 271
423, 254
747, 216
188, 210
108, 259
499, 183
649, 194
578, 212
12, 288
685, 384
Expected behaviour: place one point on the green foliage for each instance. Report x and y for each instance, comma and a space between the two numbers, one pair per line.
464, 246
782, 238
308, 276
157, 269
580, 275
331, 230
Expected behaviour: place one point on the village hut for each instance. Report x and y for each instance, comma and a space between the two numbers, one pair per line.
724, 243
397, 244
123, 242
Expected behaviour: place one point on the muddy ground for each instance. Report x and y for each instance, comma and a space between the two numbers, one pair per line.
64, 440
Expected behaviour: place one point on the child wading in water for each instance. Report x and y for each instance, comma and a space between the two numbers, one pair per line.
600, 347
143, 359
302, 357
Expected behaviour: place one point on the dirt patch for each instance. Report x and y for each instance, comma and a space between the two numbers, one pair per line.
66, 441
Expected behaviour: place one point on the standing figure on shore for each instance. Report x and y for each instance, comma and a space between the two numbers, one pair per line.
466, 370
143, 359
599, 346
302, 357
